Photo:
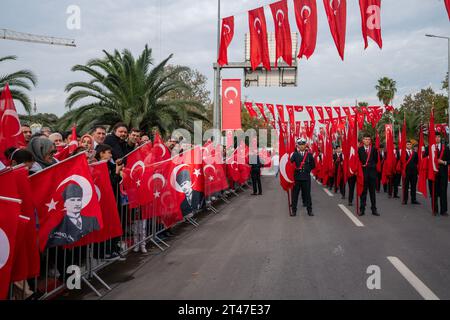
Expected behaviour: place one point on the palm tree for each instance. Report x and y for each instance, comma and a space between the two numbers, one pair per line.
387, 88
17, 81
125, 89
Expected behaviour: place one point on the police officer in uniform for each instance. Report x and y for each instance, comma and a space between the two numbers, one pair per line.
304, 164
368, 155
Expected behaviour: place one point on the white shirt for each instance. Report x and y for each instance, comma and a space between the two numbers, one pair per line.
276, 160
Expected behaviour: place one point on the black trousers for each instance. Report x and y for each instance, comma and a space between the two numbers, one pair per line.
256, 181
340, 186
369, 186
379, 181
351, 188
305, 188
440, 192
330, 182
394, 183
410, 182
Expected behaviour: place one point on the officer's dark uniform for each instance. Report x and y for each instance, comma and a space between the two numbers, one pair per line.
339, 174
441, 180
369, 164
412, 172
302, 177
255, 163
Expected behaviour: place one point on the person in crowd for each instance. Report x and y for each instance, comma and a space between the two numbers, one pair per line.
99, 135
256, 165
411, 172
26, 131
57, 139
21, 156
87, 143
43, 151
368, 156
339, 178
66, 136
117, 141
46, 131
304, 164
276, 164
440, 185
395, 179
145, 139
133, 140
104, 153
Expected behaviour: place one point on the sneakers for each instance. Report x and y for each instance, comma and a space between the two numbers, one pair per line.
115, 256
143, 249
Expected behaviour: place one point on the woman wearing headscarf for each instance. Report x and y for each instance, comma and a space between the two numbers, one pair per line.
43, 151
87, 143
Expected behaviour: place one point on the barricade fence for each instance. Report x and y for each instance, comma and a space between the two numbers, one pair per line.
64, 268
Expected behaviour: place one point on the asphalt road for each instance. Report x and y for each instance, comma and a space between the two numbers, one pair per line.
252, 249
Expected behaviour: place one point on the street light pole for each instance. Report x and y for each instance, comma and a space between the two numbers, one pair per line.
217, 116
448, 85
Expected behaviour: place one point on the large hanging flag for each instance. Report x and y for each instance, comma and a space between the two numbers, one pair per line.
306, 17
9, 219
225, 39
423, 166
402, 146
282, 32
259, 46
10, 128
390, 157
336, 11
231, 104
371, 21
447, 6
67, 203
433, 166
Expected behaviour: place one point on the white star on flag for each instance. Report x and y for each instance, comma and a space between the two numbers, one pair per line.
52, 205
157, 194
197, 173
211, 178
230, 101
138, 183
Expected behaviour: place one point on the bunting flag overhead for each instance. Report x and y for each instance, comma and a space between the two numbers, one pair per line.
259, 46
336, 11
282, 32
306, 17
447, 6
371, 21
225, 40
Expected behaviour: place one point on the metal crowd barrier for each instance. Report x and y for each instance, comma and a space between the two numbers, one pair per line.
93, 258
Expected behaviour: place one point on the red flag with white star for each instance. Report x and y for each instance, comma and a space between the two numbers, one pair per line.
371, 21
231, 104
226, 37
213, 169
282, 32
66, 201
336, 11
259, 46
306, 16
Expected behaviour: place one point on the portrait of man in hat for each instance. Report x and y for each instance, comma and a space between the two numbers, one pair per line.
194, 199
73, 226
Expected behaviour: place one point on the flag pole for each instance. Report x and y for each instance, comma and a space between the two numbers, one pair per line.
289, 202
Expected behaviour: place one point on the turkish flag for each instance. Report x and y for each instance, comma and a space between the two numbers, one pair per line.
159, 152
263, 113
402, 145
371, 21
336, 11
65, 152
112, 227
306, 17
66, 201
242, 154
423, 166
213, 169
15, 184
291, 113
271, 110
232, 169
320, 112
447, 6
9, 220
282, 32
390, 159
231, 104
286, 166
310, 111
225, 39
329, 111
251, 111
136, 177
280, 109
259, 47
433, 166
10, 128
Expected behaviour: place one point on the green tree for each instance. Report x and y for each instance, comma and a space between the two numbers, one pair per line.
45, 119
386, 90
422, 102
124, 89
19, 82
445, 83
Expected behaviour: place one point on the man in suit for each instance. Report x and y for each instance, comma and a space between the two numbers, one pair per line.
411, 174
256, 164
395, 179
74, 226
368, 155
194, 200
339, 184
440, 184
304, 164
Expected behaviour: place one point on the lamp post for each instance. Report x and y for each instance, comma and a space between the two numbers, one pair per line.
448, 86
217, 121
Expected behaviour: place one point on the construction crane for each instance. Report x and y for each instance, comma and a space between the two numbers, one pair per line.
28, 37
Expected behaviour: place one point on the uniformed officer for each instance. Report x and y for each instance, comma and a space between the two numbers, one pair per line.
304, 164
441, 177
411, 174
368, 155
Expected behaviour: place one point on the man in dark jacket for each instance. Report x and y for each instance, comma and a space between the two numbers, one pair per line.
440, 185
368, 155
256, 165
304, 164
339, 181
118, 141
411, 174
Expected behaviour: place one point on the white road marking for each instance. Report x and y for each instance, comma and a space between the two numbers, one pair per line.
417, 284
328, 192
352, 217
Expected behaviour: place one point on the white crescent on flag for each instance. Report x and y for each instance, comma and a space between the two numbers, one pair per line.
173, 178
280, 21
302, 13
283, 162
4, 248
137, 164
99, 193
12, 113
333, 8
85, 186
157, 176
231, 89
228, 29
257, 20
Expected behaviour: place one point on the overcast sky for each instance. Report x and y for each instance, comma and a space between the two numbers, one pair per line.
187, 29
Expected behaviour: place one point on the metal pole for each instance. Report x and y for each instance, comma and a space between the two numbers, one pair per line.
217, 115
